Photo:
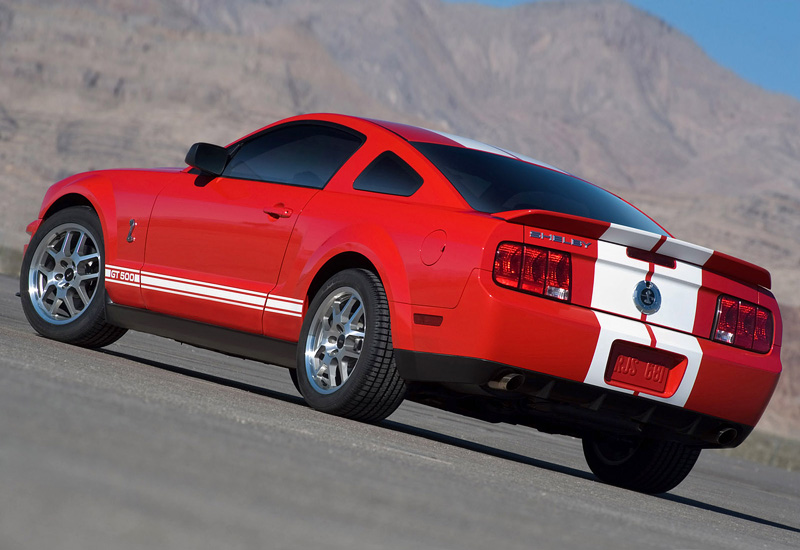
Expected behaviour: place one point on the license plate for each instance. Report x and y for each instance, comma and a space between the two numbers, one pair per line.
641, 368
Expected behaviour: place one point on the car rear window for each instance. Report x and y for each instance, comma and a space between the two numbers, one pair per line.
495, 183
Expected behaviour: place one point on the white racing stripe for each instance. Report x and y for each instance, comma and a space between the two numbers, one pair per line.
473, 144
121, 275
615, 278
613, 328
688, 346
486, 148
202, 284
687, 252
630, 236
123, 283
200, 296
617, 328
201, 290
287, 304
283, 312
679, 288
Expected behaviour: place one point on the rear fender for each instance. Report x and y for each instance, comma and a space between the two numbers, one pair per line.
371, 242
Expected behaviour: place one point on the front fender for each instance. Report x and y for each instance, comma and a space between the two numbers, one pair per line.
123, 200
92, 187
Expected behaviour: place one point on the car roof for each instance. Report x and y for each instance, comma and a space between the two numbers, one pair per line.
424, 135
418, 134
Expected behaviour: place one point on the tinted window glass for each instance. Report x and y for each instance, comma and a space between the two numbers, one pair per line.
389, 174
306, 155
494, 183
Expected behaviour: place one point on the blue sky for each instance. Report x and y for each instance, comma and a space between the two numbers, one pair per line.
757, 39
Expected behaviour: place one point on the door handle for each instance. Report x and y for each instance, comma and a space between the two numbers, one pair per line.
279, 210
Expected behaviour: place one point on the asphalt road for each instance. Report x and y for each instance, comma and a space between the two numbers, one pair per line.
153, 444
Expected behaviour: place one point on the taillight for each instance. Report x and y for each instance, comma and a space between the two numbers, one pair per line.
533, 269
507, 264
743, 324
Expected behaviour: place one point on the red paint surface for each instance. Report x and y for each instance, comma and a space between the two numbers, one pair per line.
217, 234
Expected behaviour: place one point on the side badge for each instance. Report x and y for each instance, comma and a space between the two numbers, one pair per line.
647, 297
131, 238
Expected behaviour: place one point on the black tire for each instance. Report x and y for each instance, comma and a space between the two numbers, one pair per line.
345, 361
644, 465
293, 376
62, 280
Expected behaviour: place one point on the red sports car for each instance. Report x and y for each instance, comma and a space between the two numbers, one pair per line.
381, 262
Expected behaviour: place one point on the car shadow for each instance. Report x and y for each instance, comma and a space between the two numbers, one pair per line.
726, 512
222, 381
447, 439
388, 424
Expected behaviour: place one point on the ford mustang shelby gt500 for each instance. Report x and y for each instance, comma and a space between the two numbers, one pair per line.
379, 262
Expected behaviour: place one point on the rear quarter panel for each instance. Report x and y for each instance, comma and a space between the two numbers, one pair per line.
424, 247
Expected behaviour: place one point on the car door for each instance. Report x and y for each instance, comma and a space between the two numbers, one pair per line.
215, 244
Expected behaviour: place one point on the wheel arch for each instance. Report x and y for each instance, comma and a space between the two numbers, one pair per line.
387, 266
339, 262
67, 201
94, 190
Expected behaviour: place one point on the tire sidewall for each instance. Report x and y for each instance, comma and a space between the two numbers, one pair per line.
653, 467
616, 472
86, 217
341, 398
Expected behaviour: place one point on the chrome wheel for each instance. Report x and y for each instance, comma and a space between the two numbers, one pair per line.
64, 273
335, 340
345, 358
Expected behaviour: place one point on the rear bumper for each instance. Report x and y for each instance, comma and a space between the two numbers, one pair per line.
493, 329
557, 405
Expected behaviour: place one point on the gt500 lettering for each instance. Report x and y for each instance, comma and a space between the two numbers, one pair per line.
559, 239
122, 276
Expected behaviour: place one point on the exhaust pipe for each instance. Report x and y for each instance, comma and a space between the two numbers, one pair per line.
509, 382
727, 435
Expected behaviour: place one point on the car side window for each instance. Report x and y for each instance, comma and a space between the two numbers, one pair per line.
389, 174
307, 155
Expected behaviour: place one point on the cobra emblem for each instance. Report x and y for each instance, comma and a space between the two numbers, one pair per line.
131, 238
647, 297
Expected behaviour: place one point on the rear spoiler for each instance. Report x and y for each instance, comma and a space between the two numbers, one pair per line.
644, 240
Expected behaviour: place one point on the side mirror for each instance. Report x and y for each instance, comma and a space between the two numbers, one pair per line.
207, 158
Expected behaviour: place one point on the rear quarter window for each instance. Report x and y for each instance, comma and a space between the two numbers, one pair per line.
390, 175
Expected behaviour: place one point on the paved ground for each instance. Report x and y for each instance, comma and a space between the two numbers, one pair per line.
151, 444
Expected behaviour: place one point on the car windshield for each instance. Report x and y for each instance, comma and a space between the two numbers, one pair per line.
495, 183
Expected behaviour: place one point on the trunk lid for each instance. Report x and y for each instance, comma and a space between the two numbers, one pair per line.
641, 275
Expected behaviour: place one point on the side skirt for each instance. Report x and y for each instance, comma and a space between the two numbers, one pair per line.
201, 335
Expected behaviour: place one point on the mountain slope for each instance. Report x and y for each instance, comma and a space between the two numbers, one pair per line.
597, 88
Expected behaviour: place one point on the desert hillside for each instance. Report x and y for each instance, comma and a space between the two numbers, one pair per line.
598, 88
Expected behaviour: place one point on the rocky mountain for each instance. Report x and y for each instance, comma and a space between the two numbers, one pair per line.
598, 88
